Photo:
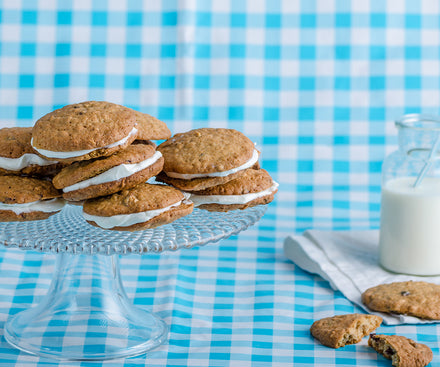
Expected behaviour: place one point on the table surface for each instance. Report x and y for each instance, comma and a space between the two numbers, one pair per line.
238, 302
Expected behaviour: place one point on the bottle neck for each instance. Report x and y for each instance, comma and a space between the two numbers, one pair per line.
412, 140
418, 134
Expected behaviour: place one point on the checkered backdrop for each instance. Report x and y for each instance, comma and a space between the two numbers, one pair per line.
315, 83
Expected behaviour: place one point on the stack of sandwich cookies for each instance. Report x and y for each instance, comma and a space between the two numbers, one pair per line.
84, 131
17, 156
207, 157
103, 154
218, 167
254, 187
124, 169
26, 198
141, 207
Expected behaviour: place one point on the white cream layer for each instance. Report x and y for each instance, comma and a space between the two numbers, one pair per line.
46, 206
185, 176
231, 199
127, 220
26, 160
115, 173
78, 153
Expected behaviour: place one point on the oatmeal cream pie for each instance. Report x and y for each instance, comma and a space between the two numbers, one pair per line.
84, 131
151, 128
254, 187
206, 157
17, 156
25, 198
140, 207
107, 175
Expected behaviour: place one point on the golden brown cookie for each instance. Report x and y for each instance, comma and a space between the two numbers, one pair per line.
402, 351
253, 187
26, 198
84, 131
419, 299
206, 157
140, 207
338, 331
151, 128
107, 175
17, 156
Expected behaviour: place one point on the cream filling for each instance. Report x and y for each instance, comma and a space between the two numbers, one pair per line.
127, 220
248, 164
26, 160
78, 153
115, 173
232, 199
46, 206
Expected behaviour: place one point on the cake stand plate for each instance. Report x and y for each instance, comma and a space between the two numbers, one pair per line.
86, 314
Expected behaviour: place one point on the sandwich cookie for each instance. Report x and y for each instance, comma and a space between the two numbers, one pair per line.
254, 187
17, 156
84, 131
150, 128
107, 175
141, 207
26, 198
206, 157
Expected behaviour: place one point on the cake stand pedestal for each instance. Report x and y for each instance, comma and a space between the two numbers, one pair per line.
86, 314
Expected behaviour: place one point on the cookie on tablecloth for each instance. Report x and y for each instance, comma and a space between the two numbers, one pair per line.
140, 207
84, 131
150, 128
26, 198
402, 351
419, 299
206, 157
338, 331
17, 156
253, 187
107, 175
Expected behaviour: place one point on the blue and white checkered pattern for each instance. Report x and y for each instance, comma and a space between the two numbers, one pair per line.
315, 83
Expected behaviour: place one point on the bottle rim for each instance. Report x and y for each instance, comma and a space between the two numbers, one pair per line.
418, 121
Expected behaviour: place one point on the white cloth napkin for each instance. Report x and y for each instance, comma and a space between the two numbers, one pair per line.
349, 261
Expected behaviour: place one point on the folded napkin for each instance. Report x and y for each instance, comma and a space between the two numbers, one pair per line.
349, 261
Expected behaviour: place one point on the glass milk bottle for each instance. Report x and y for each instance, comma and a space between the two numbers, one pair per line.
410, 213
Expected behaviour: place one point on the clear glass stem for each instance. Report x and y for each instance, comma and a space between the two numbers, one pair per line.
86, 315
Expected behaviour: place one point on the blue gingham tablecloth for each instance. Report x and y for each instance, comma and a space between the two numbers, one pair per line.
315, 83
236, 303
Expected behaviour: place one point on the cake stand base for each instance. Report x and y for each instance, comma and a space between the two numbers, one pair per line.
86, 315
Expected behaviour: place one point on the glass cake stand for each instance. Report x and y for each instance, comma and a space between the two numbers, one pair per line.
86, 314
